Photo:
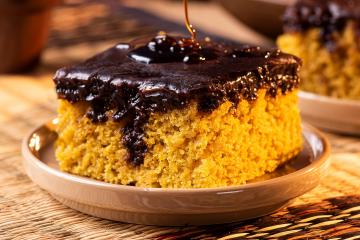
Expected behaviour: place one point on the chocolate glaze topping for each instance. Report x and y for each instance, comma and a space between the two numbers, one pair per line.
162, 49
120, 80
328, 15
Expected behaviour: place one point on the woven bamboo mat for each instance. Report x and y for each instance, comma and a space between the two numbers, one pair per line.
331, 211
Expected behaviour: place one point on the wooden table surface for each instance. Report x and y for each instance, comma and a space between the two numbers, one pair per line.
331, 211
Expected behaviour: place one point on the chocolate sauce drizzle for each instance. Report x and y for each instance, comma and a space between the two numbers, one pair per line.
118, 86
328, 15
164, 48
188, 25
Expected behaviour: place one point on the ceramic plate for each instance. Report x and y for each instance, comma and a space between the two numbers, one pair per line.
338, 115
176, 207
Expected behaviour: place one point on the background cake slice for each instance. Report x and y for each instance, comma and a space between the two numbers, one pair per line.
222, 118
325, 34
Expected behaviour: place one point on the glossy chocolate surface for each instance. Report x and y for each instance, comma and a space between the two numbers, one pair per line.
166, 49
133, 89
328, 15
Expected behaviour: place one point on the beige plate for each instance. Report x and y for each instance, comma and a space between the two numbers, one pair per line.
332, 114
176, 207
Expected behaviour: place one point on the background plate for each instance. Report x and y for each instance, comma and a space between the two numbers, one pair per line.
338, 115
176, 207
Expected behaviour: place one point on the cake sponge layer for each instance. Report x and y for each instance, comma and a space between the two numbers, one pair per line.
329, 72
185, 148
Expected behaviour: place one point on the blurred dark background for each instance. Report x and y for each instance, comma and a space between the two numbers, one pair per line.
29, 27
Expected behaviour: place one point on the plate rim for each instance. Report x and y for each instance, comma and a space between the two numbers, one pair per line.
318, 162
328, 99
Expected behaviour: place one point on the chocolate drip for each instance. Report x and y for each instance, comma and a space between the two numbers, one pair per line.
132, 90
327, 15
188, 25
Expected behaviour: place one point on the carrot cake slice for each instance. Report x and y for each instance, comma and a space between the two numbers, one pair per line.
325, 34
171, 113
